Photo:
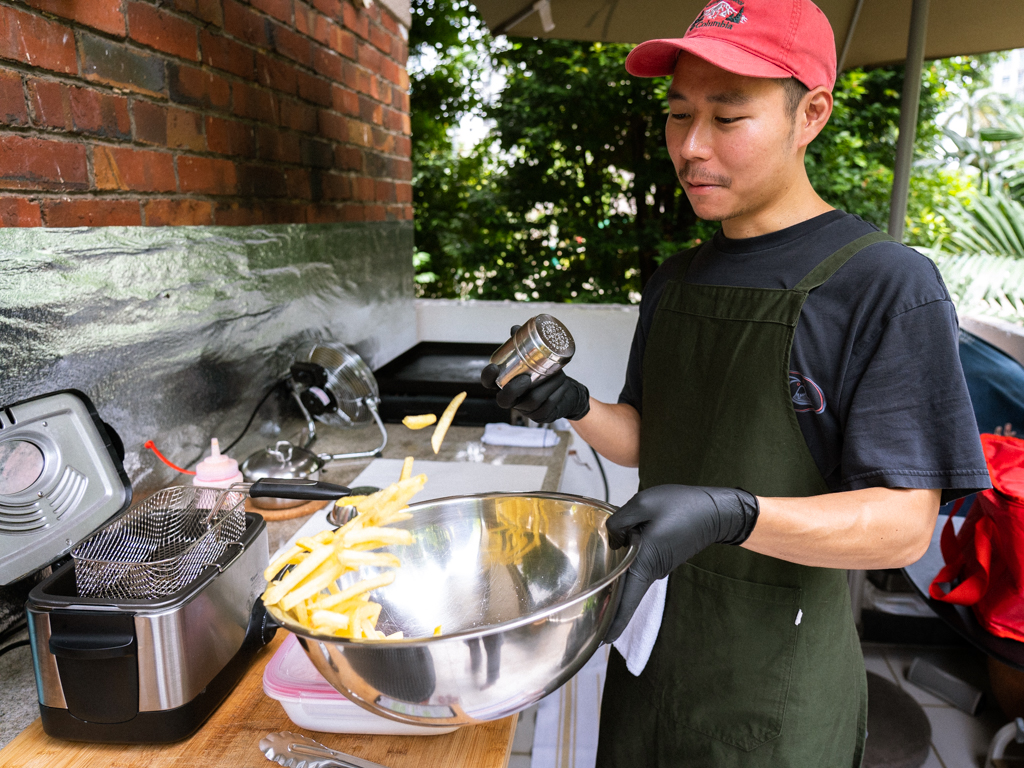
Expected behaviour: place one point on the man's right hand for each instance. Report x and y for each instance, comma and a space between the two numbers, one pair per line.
546, 400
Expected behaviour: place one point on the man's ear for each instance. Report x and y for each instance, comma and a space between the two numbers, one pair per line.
812, 114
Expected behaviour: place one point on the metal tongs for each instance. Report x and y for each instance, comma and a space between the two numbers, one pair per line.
295, 751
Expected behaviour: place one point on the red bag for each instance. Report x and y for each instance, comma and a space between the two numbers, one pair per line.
985, 560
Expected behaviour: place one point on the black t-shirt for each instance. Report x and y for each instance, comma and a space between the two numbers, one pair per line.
874, 371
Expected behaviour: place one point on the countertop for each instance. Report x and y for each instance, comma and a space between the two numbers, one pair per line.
18, 705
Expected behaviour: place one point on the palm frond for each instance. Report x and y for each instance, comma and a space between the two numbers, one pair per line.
992, 224
983, 284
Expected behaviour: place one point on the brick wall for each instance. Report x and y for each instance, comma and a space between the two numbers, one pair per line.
160, 112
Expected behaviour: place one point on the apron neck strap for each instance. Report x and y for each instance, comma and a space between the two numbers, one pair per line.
832, 264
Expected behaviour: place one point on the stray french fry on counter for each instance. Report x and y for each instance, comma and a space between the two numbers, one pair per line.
308, 592
419, 422
446, 421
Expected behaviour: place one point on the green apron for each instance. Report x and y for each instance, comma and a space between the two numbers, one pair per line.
757, 662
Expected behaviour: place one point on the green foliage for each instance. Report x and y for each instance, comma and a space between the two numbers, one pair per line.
572, 196
984, 284
992, 224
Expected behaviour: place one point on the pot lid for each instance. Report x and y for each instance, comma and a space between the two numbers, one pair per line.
282, 459
61, 477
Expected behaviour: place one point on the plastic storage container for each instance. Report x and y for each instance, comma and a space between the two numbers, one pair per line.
310, 702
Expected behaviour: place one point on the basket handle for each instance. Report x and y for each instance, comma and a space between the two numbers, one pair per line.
288, 488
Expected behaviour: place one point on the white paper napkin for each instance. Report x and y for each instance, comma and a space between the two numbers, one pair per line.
637, 640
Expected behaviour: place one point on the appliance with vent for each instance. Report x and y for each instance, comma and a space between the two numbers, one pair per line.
61, 476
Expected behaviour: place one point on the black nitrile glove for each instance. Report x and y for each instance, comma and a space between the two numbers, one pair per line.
546, 400
674, 523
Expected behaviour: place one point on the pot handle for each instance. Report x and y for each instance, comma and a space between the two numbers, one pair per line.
288, 488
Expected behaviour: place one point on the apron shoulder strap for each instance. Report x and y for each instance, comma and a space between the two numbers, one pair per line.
831, 265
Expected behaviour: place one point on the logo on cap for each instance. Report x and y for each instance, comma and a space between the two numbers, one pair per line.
719, 14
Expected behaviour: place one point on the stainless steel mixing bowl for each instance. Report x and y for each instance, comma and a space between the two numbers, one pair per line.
523, 587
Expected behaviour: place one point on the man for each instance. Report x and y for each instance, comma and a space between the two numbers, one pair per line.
796, 407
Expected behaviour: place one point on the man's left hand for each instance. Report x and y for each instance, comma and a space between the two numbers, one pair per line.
674, 523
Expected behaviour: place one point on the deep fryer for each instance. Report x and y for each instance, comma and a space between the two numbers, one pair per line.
109, 668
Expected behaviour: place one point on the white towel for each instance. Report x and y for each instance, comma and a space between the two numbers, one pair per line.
523, 437
637, 640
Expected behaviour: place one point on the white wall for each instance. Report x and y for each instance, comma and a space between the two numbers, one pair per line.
603, 334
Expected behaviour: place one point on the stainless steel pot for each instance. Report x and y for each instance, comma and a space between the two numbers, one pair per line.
281, 461
523, 588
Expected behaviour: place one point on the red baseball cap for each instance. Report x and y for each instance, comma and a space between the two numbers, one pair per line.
756, 38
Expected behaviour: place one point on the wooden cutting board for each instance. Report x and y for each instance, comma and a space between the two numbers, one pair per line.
231, 737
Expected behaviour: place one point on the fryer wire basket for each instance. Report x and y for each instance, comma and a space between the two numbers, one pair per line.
159, 546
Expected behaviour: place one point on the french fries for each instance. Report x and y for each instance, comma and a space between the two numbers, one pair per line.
419, 422
406, 469
308, 593
446, 421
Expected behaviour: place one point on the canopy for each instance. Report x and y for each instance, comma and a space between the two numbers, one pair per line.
955, 27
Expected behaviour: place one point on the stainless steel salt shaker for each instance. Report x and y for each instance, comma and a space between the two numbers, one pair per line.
540, 347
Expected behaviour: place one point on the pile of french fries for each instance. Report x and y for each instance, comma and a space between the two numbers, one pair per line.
308, 592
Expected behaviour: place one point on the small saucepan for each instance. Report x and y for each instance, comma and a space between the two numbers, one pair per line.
281, 461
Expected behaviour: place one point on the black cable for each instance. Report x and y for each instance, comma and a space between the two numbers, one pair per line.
12, 646
604, 477
248, 424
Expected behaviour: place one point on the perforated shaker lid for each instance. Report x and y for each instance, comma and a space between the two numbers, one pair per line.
555, 336
61, 477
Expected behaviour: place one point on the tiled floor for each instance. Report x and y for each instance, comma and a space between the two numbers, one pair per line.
958, 739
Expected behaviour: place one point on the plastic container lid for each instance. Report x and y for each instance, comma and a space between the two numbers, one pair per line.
312, 703
217, 470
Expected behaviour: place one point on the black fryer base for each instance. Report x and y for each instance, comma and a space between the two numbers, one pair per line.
170, 724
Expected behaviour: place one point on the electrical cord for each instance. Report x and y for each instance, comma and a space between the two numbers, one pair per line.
12, 646
604, 477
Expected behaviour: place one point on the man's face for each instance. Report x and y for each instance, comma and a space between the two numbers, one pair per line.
731, 139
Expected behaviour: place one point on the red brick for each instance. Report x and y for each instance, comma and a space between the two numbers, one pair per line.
210, 11
279, 9
338, 39
140, 170
353, 212
344, 100
314, 89
89, 212
385, 90
207, 175
399, 51
362, 188
403, 146
230, 137
277, 74
297, 116
399, 169
333, 126
305, 19
246, 24
355, 20
370, 111
384, 192
37, 41
389, 23
12, 100
116, 64
375, 213
29, 163
370, 57
235, 215
328, 64
96, 113
254, 103
190, 85
168, 126
157, 29
105, 15
337, 187
401, 99
359, 133
224, 53
393, 120
297, 183
403, 192
391, 71
278, 146
348, 158
331, 8
292, 45
177, 213
383, 141
380, 39
19, 212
